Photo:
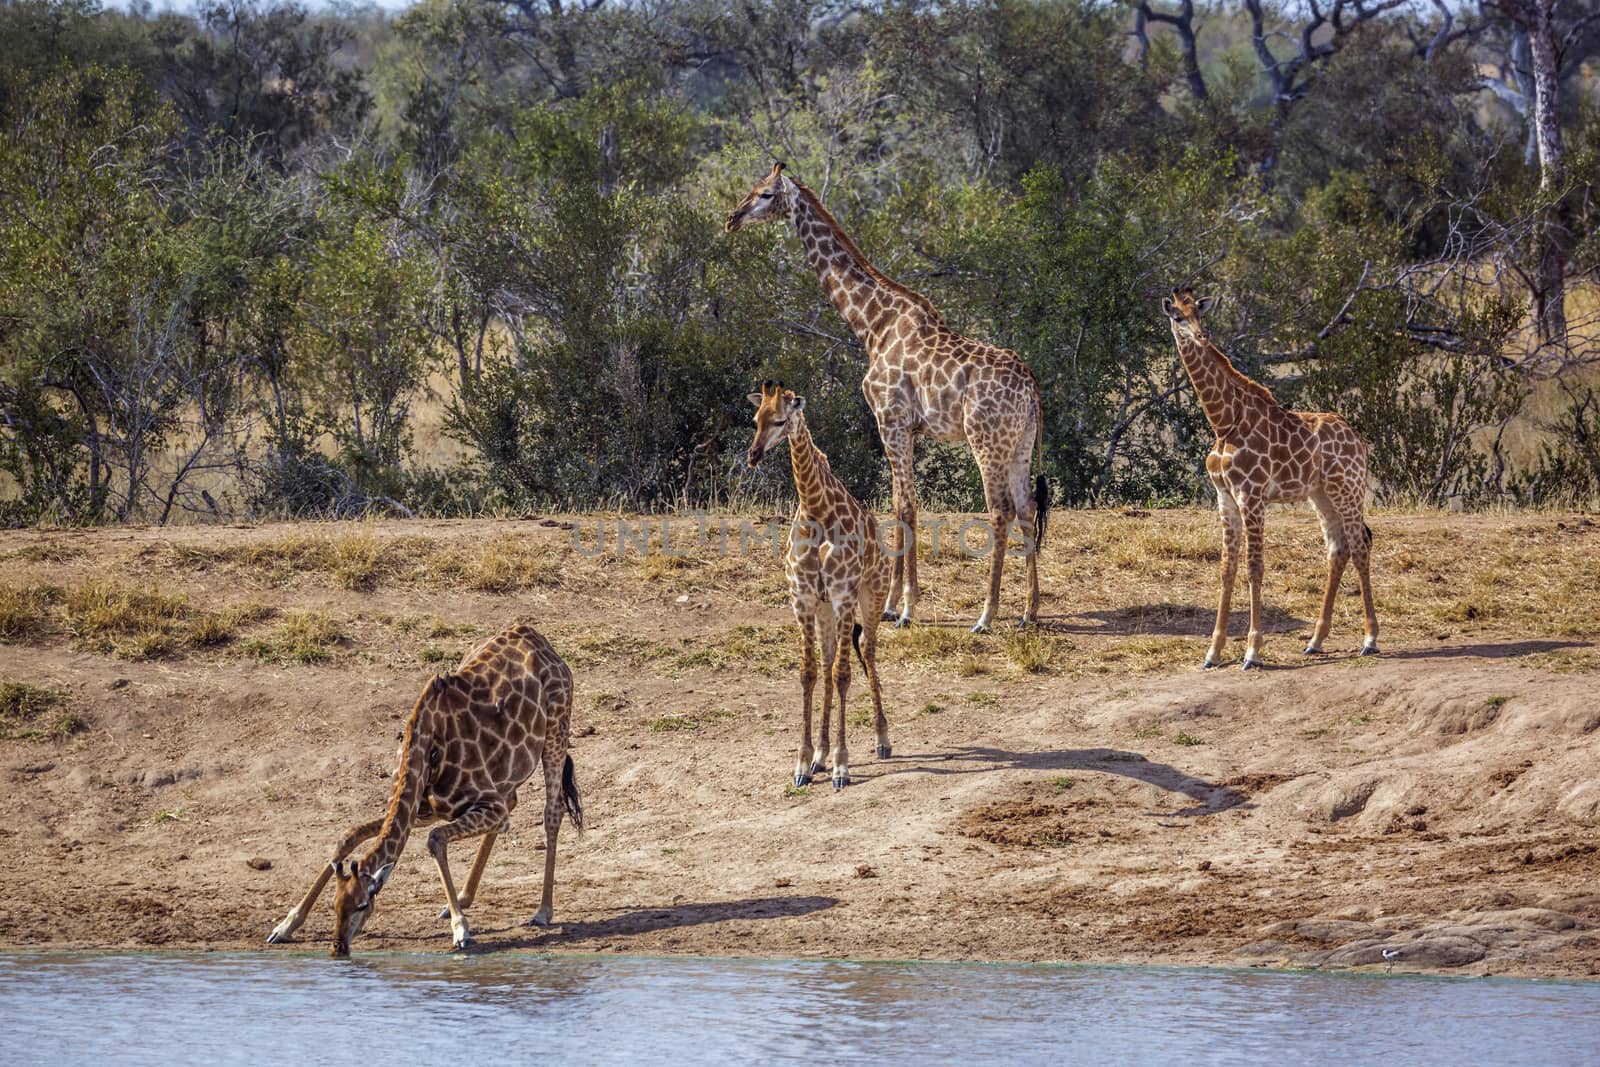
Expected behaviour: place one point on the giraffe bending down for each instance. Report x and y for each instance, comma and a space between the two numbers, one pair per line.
924, 378
475, 735
836, 569
1265, 453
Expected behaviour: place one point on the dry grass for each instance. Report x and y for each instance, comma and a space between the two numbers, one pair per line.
306, 637
32, 713
502, 565
24, 611
134, 623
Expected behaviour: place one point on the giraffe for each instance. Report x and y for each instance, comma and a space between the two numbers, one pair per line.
475, 735
836, 567
1265, 453
924, 378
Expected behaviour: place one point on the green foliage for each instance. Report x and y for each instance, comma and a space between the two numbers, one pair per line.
242, 248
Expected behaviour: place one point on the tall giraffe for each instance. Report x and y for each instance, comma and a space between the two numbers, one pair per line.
475, 735
835, 567
924, 378
1265, 453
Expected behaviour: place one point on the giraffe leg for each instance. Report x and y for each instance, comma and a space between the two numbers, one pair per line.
479, 862
1255, 526
869, 664
555, 759
1025, 507
803, 767
1232, 528
846, 611
1361, 551
1335, 534
297, 915
482, 817
828, 629
997, 493
897, 445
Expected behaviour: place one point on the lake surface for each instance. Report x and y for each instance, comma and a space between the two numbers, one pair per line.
405, 1009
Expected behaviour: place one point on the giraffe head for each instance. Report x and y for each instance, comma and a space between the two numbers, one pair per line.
769, 199
355, 893
1186, 312
778, 412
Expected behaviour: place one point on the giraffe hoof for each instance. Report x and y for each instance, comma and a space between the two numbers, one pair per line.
980, 628
1209, 664
902, 621
890, 616
884, 751
1313, 650
1369, 650
816, 768
1251, 665
840, 781
802, 780
539, 919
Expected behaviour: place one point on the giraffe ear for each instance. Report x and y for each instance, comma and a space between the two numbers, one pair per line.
1205, 304
797, 403
754, 398
380, 878
1170, 308
777, 166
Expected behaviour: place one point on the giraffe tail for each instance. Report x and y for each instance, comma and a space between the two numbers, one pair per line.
1041, 484
855, 640
569, 794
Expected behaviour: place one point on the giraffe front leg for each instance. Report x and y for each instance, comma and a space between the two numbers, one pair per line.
478, 864
902, 599
297, 915
481, 817
1255, 521
1232, 528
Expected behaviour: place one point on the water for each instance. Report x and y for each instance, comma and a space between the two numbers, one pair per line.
515, 1008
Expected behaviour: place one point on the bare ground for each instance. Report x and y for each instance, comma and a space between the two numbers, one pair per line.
1083, 794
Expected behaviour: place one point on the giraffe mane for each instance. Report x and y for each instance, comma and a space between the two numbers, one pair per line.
1248, 383
402, 774
922, 302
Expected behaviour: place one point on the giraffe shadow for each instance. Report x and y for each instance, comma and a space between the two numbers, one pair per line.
1210, 797
630, 922
1507, 650
1171, 620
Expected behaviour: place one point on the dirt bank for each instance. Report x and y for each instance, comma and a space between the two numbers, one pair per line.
229, 695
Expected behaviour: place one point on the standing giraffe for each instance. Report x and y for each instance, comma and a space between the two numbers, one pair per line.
835, 568
475, 735
1266, 453
924, 378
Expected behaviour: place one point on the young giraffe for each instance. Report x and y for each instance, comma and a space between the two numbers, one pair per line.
475, 735
924, 378
835, 566
1266, 453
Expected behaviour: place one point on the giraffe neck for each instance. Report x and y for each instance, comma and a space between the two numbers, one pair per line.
410, 782
868, 300
1227, 397
810, 471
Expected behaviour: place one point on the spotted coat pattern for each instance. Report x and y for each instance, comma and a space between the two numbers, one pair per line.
923, 378
1264, 454
474, 736
837, 573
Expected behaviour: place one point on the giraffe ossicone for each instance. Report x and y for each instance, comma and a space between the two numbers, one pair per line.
475, 735
837, 572
925, 379
1265, 453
